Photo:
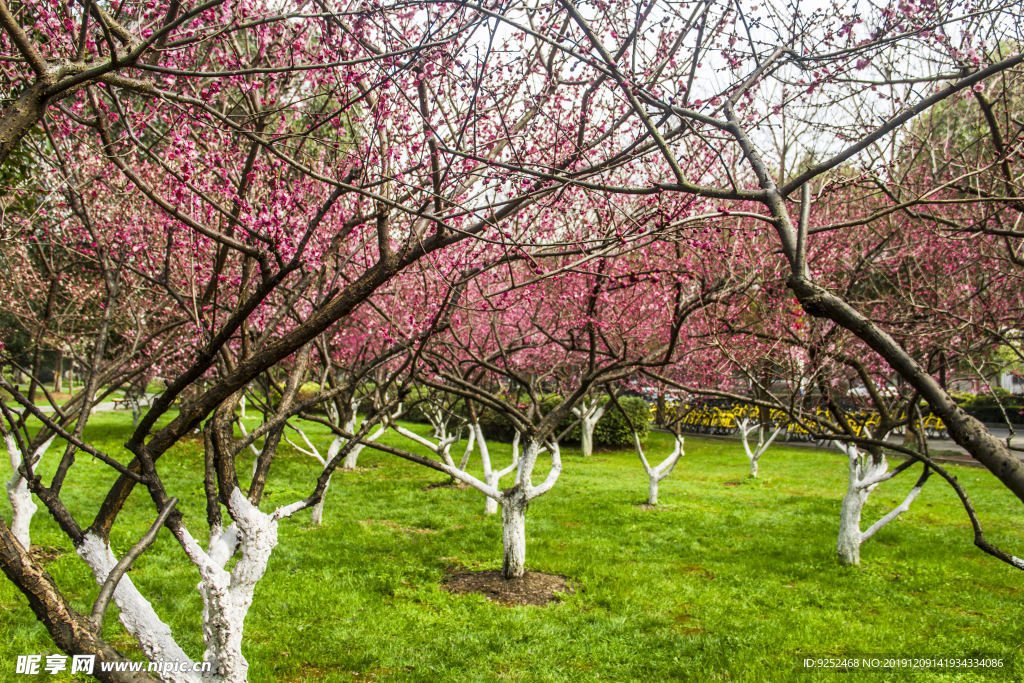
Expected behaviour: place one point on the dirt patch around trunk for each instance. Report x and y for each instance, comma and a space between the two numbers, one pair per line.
456, 485
534, 588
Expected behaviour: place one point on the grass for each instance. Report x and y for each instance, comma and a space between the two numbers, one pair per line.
60, 398
729, 579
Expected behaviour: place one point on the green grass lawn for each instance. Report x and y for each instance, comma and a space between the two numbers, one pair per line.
728, 580
61, 398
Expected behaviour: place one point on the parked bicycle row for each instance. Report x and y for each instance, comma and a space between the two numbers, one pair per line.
726, 419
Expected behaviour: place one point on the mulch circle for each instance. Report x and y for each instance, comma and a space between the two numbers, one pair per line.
534, 588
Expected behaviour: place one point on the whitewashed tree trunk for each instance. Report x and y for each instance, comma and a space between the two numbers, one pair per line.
137, 614
469, 449
22, 505
490, 504
492, 476
754, 454
589, 414
352, 459
652, 490
865, 474
656, 474
516, 501
317, 517
227, 596
513, 533
849, 539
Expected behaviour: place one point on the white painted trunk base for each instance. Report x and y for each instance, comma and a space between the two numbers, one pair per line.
849, 538
137, 614
22, 509
317, 516
22, 506
513, 535
587, 438
754, 454
589, 414
656, 474
652, 491
865, 474
227, 596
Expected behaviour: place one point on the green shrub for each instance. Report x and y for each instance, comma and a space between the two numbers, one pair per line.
307, 391
496, 426
613, 430
984, 406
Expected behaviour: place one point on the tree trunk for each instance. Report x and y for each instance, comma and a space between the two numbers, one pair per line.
652, 490
227, 596
849, 539
318, 510
58, 372
351, 460
22, 507
491, 505
136, 613
513, 531
862, 469
491, 477
753, 467
587, 437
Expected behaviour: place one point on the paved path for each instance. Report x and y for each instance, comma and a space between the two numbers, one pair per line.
105, 406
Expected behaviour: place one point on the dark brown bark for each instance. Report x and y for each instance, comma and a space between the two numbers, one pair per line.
58, 372
20, 117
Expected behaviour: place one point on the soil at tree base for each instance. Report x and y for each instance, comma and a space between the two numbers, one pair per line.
533, 588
